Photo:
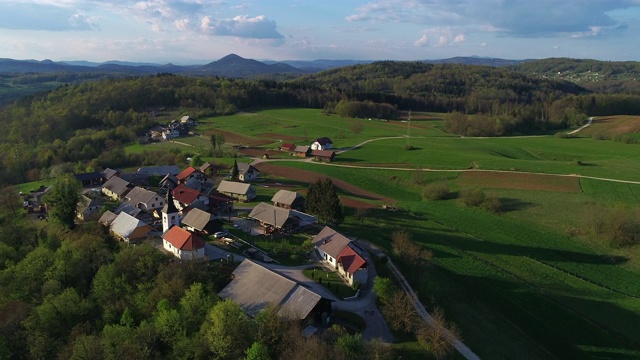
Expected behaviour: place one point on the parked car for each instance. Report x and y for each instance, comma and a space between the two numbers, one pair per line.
220, 234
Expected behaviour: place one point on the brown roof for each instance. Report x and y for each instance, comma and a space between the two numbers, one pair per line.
186, 173
323, 153
185, 195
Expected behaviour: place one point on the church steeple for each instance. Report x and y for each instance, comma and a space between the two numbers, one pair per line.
170, 214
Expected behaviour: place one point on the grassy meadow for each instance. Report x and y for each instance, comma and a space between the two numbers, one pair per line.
533, 282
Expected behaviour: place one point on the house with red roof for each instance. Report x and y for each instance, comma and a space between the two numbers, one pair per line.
183, 244
190, 173
287, 147
184, 197
342, 254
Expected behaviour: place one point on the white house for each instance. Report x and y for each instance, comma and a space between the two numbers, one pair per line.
323, 143
339, 252
183, 244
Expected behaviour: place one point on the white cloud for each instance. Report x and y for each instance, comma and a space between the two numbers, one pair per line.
258, 27
459, 38
423, 41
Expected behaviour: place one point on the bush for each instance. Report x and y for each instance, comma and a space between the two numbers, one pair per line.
472, 197
436, 191
407, 147
493, 204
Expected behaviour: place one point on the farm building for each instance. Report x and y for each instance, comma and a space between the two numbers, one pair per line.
240, 191
323, 143
288, 200
247, 172
324, 155
127, 228
116, 188
273, 217
302, 151
255, 287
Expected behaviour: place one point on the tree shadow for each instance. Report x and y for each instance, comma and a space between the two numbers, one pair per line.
511, 204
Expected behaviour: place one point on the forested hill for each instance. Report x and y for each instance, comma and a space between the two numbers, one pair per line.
599, 76
440, 87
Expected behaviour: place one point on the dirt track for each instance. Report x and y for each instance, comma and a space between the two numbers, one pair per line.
310, 177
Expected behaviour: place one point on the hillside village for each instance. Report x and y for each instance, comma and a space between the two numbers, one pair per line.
197, 214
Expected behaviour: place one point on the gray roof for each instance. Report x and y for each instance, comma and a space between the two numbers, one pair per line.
301, 148
193, 183
117, 185
107, 218
233, 187
109, 173
269, 214
139, 195
124, 224
160, 170
330, 241
285, 197
128, 208
85, 203
197, 218
254, 287
244, 168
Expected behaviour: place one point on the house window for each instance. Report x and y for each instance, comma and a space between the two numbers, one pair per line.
153, 205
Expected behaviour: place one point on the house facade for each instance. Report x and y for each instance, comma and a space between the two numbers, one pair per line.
302, 151
183, 244
247, 172
324, 155
116, 188
341, 254
323, 143
288, 200
144, 199
191, 173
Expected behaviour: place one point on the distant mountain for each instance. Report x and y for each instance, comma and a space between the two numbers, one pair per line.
233, 65
312, 66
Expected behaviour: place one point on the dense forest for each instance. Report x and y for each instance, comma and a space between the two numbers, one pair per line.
84, 126
78, 294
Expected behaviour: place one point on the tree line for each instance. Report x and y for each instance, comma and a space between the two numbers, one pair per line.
88, 124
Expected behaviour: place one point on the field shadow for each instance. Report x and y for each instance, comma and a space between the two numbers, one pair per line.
511, 204
536, 253
557, 326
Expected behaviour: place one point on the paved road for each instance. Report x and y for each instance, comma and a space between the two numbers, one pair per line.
590, 120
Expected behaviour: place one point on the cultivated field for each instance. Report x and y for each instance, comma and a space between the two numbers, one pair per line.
608, 126
531, 283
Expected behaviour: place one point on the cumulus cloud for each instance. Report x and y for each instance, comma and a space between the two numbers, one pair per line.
31, 16
258, 27
542, 18
446, 36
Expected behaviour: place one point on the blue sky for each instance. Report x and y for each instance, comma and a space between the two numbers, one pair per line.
200, 31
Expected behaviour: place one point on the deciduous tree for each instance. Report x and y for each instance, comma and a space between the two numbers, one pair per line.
63, 200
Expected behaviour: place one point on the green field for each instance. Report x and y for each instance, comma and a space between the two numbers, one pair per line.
529, 283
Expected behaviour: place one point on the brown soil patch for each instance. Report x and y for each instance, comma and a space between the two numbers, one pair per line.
276, 136
233, 138
612, 125
520, 181
310, 177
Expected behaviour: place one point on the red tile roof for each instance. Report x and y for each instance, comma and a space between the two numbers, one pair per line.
287, 146
182, 239
185, 195
186, 173
350, 260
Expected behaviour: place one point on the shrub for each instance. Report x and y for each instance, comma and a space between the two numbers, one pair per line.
472, 197
436, 191
493, 204
407, 147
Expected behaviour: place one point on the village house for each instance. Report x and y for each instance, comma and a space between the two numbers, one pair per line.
323, 143
275, 218
209, 169
90, 179
186, 120
220, 204
341, 254
168, 182
324, 155
247, 172
191, 173
128, 228
184, 197
109, 173
116, 188
302, 151
255, 288
237, 190
200, 221
289, 147
159, 170
288, 200
183, 244
87, 207
144, 199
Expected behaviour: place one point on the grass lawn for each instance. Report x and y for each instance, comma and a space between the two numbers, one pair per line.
331, 280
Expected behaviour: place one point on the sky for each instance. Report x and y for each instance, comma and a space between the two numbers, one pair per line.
201, 31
